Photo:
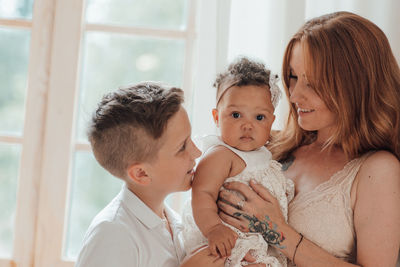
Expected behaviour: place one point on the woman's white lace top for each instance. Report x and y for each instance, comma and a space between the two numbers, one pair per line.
324, 215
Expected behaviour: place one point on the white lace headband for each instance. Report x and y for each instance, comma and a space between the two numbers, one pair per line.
228, 82
274, 89
232, 81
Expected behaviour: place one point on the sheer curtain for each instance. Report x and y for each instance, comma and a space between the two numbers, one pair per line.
261, 29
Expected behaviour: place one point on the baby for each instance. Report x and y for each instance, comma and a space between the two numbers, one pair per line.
247, 95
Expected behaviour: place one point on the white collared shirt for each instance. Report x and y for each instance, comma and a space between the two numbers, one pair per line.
127, 233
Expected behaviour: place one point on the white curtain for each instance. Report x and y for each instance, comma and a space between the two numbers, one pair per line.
261, 29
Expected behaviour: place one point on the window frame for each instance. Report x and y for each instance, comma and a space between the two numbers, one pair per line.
32, 138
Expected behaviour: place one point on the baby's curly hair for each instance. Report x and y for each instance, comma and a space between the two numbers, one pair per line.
242, 72
246, 71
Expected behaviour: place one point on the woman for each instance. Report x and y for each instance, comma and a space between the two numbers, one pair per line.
341, 148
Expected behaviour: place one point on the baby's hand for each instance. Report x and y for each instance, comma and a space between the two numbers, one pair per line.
203, 257
221, 239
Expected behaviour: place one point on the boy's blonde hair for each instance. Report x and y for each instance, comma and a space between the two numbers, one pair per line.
351, 67
128, 125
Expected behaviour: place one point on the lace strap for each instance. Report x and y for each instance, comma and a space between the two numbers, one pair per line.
341, 180
350, 172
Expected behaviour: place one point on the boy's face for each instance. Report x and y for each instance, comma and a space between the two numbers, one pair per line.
172, 169
245, 116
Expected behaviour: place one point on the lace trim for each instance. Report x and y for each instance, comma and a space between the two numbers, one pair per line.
274, 89
338, 182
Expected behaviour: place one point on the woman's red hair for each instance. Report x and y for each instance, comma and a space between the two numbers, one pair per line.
350, 65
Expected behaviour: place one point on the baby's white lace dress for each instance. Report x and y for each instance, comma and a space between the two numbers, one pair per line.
261, 168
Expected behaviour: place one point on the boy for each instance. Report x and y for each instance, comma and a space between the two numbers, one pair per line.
141, 135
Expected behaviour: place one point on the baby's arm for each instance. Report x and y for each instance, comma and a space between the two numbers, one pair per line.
210, 174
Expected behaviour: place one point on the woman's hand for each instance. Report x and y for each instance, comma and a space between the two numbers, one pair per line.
259, 213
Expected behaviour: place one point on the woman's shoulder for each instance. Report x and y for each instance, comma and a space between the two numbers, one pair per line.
380, 165
380, 159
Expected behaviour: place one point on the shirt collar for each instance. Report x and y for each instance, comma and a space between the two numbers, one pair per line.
139, 209
146, 215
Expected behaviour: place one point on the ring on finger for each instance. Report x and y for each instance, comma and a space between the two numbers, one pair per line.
240, 204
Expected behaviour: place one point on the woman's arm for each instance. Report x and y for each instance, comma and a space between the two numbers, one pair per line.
262, 209
376, 217
377, 210
210, 174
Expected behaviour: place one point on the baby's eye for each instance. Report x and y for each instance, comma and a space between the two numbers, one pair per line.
236, 115
260, 117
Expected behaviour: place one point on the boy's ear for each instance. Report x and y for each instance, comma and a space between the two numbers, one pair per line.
215, 116
137, 174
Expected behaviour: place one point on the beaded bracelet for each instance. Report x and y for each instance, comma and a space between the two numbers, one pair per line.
295, 250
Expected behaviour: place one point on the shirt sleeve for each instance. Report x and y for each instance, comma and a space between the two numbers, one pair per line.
106, 245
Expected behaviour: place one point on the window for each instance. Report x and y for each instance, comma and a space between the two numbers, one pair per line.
15, 36
60, 58
14, 52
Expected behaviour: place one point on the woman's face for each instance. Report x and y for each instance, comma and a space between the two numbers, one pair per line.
313, 114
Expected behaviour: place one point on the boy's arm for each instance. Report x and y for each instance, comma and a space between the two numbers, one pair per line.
210, 174
108, 245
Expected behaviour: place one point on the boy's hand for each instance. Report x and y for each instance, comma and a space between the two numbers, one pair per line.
203, 257
221, 240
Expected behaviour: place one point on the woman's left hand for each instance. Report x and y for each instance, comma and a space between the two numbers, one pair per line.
260, 212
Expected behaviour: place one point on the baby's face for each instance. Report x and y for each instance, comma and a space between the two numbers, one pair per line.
245, 116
